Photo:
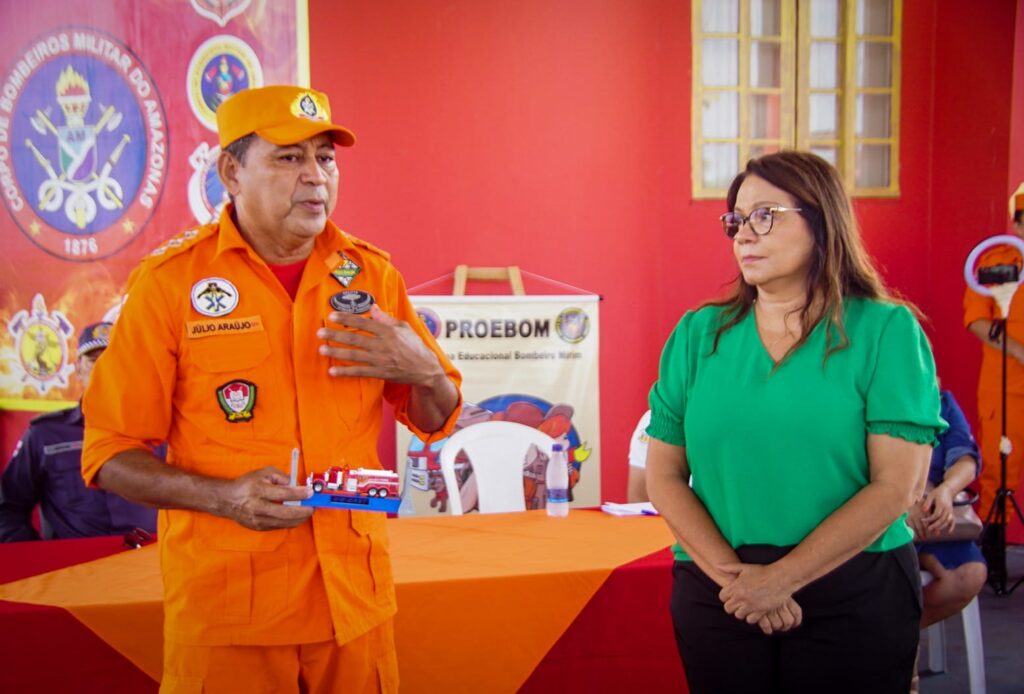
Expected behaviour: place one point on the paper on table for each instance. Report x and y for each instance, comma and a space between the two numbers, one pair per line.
643, 508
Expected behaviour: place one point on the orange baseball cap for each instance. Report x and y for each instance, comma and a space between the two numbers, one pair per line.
282, 115
1017, 200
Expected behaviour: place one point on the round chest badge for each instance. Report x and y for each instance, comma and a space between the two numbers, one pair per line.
352, 301
221, 67
214, 296
86, 143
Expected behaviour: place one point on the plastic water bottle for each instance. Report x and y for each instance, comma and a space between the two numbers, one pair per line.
556, 478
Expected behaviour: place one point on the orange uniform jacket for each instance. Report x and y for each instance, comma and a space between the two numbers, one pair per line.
978, 307
162, 379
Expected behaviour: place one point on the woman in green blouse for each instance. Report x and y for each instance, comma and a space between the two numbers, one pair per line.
804, 406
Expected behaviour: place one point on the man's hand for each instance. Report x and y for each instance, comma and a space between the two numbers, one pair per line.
384, 347
254, 500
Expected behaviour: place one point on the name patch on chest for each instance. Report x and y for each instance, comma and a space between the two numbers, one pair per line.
223, 326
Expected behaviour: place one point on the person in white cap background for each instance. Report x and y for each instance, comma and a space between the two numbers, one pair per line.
979, 314
45, 471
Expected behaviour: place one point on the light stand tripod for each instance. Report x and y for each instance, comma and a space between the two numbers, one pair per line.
993, 537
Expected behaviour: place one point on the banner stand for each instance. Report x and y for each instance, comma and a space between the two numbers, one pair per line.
530, 359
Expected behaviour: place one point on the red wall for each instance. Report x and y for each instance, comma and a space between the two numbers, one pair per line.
1017, 112
969, 163
555, 136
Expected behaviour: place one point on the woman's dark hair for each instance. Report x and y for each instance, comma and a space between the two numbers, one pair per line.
840, 267
1018, 217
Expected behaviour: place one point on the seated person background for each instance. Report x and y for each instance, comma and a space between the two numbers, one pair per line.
636, 489
46, 470
958, 567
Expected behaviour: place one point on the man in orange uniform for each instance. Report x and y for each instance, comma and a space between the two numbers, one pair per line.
979, 313
267, 331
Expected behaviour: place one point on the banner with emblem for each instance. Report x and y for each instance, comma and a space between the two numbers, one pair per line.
108, 146
532, 360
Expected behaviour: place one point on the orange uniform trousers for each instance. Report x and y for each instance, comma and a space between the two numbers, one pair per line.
365, 665
989, 432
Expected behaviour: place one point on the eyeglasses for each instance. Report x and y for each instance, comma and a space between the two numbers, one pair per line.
761, 220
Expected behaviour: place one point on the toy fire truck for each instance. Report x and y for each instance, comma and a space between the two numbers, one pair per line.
382, 483
356, 489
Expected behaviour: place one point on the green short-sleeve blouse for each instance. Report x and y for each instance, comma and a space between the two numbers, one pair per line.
774, 453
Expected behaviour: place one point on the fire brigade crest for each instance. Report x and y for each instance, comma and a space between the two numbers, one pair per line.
308, 105
87, 142
237, 399
220, 68
573, 325
206, 194
41, 342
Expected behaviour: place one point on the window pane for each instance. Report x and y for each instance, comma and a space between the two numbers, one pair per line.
825, 65
765, 64
720, 62
721, 16
873, 115
874, 64
872, 166
826, 153
720, 116
825, 17
721, 164
874, 17
765, 115
824, 117
765, 18
761, 150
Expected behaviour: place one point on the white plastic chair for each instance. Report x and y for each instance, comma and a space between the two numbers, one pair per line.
497, 451
971, 617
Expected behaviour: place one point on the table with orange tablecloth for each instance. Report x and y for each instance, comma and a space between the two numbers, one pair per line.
495, 603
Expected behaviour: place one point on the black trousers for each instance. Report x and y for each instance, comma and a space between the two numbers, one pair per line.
861, 625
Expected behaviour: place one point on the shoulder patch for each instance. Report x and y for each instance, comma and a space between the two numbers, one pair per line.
367, 245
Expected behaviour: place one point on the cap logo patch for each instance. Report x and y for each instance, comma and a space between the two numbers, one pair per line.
307, 105
237, 399
214, 297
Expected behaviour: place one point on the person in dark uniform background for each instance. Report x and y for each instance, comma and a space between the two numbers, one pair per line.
45, 470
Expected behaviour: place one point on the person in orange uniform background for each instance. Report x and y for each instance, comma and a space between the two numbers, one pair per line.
979, 313
239, 341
